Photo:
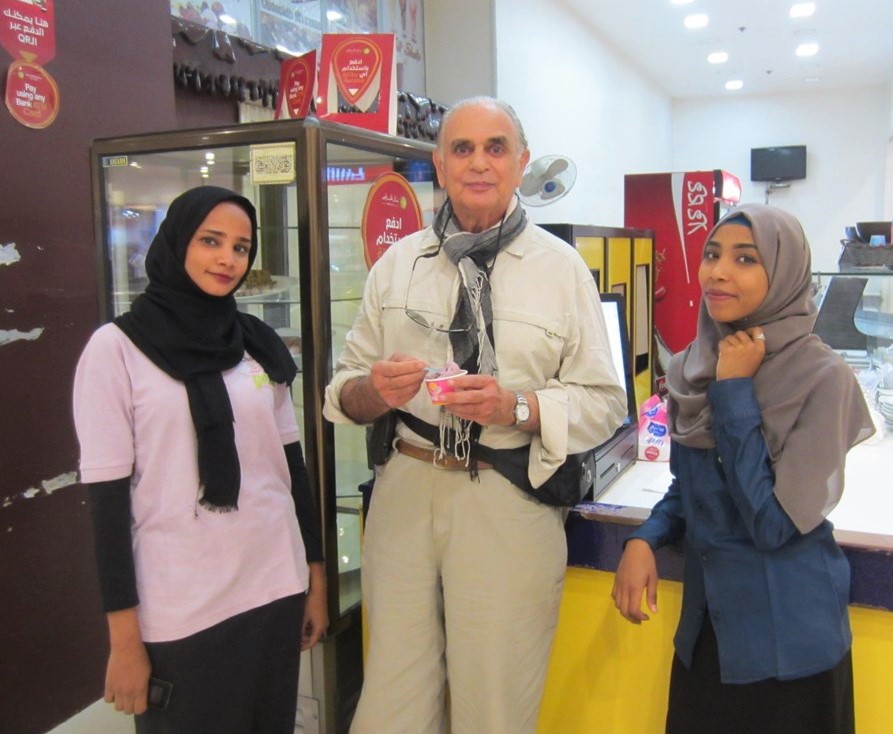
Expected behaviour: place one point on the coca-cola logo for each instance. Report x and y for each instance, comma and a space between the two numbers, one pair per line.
696, 199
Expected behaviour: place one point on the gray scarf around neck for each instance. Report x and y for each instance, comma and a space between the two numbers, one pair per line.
473, 253
471, 340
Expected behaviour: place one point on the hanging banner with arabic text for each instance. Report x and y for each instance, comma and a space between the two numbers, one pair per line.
28, 30
28, 34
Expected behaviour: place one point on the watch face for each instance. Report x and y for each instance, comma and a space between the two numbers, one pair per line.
522, 410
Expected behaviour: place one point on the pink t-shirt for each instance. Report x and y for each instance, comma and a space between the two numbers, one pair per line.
194, 567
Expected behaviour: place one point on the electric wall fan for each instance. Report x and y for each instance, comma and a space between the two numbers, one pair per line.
547, 179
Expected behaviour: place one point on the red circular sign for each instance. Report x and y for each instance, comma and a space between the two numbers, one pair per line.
391, 212
32, 96
651, 453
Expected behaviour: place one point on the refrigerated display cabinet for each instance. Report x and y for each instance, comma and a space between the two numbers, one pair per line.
309, 181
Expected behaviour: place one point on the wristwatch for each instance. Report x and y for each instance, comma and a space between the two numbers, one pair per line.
522, 409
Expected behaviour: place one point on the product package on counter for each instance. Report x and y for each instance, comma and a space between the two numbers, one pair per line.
654, 436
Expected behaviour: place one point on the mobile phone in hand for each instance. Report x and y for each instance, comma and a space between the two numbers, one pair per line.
159, 693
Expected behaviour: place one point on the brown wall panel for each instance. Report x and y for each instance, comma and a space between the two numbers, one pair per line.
113, 71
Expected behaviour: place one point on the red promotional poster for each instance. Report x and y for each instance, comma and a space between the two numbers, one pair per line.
27, 30
358, 81
297, 87
682, 208
32, 97
391, 212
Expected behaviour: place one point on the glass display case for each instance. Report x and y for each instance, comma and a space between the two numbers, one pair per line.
309, 182
856, 319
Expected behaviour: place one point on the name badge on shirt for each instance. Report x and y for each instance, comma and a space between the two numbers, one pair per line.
260, 378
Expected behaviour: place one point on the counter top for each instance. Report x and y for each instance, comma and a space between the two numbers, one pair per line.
863, 521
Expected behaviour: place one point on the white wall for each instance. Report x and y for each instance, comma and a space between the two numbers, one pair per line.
459, 58
576, 96
845, 133
888, 177
579, 96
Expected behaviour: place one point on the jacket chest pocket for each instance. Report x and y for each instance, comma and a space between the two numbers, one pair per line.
527, 344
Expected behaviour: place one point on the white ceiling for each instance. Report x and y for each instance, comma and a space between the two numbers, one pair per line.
855, 40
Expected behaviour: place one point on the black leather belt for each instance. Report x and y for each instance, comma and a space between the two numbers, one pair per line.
446, 461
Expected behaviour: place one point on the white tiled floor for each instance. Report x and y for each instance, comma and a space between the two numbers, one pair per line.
98, 718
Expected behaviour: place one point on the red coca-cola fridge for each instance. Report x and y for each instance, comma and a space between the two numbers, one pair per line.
681, 208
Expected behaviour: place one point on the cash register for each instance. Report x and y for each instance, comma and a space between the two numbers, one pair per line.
618, 453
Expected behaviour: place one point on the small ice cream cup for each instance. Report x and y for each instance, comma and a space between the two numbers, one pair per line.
439, 386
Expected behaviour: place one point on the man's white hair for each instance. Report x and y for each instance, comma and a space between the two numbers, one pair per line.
484, 100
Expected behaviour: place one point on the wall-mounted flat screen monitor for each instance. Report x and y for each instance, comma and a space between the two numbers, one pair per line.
781, 163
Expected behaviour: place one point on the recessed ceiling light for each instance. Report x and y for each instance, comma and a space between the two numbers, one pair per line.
807, 49
802, 10
333, 15
681, 2
718, 57
696, 21
734, 84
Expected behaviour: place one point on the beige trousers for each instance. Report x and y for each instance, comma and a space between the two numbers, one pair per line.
462, 582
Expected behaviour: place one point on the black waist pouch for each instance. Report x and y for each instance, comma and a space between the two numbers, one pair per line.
380, 439
569, 485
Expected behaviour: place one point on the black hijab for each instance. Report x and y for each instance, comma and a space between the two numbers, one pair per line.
194, 337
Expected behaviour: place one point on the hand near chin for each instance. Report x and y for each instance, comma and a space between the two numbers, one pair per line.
741, 354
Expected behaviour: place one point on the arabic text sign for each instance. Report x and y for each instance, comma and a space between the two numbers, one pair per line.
32, 96
28, 30
392, 211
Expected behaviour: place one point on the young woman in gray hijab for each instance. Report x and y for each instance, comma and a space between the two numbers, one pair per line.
762, 415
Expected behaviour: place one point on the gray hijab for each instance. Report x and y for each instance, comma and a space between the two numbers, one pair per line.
796, 365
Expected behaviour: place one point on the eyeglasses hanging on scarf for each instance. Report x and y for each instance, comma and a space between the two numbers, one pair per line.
471, 330
413, 315
417, 317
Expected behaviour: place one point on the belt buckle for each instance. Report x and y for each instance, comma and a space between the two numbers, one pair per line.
440, 459
444, 460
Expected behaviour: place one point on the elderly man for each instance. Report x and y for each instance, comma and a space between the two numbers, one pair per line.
462, 571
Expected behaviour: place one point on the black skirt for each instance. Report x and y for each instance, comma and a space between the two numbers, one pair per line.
700, 703
236, 677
